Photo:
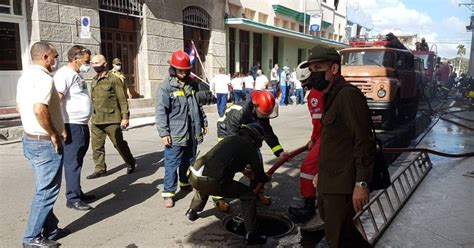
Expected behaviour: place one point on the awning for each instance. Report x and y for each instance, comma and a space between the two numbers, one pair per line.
257, 27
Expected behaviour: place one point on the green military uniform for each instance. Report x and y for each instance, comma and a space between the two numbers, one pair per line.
346, 157
213, 174
122, 78
110, 107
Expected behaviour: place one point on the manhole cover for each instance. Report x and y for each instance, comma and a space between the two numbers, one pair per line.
269, 224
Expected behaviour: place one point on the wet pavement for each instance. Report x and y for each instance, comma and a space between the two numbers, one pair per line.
441, 211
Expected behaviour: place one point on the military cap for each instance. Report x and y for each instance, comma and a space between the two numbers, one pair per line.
320, 53
116, 61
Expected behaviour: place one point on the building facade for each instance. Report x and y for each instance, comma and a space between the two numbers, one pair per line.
276, 31
143, 34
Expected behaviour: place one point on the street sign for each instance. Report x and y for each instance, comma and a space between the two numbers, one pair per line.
315, 22
85, 27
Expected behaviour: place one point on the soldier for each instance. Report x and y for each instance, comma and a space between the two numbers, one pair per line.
117, 71
346, 152
213, 174
181, 124
109, 115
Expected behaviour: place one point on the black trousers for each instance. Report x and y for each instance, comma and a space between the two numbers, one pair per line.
337, 212
206, 186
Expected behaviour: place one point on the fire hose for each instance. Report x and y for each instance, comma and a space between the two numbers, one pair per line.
300, 150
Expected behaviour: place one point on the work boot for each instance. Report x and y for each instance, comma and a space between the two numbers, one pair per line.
264, 200
192, 215
169, 203
131, 168
254, 238
221, 205
304, 213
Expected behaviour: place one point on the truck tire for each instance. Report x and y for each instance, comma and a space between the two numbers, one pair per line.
392, 116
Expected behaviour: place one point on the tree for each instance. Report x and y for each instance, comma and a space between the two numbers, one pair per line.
461, 51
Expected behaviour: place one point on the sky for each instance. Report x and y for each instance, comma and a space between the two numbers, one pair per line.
441, 22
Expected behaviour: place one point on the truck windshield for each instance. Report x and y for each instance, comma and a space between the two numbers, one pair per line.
427, 60
380, 58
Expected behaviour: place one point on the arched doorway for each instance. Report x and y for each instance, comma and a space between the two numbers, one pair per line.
197, 28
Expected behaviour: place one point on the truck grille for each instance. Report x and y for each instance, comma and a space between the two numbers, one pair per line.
363, 86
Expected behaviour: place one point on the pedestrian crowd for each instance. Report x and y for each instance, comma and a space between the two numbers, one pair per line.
61, 116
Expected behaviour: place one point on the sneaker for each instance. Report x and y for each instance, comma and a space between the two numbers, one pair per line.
222, 206
169, 203
192, 215
254, 238
41, 242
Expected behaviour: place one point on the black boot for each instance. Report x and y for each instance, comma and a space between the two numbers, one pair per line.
304, 213
254, 238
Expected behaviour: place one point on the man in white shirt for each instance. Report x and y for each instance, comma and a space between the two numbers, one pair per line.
40, 111
261, 82
220, 89
274, 79
298, 88
237, 87
249, 86
76, 112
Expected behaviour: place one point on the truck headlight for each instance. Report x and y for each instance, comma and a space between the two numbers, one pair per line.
381, 93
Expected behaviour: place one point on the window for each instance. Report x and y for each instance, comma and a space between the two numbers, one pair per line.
276, 42
293, 26
378, 58
249, 14
244, 51
10, 50
285, 24
232, 50
262, 18
301, 29
276, 22
257, 48
10, 7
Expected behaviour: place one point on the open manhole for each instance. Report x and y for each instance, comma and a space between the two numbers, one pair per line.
269, 224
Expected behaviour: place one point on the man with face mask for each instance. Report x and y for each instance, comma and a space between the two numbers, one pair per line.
181, 124
76, 112
347, 149
40, 111
117, 70
213, 174
109, 116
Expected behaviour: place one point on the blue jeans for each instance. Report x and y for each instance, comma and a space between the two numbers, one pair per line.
221, 103
177, 157
237, 95
299, 96
75, 148
47, 169
284, 95
248, 91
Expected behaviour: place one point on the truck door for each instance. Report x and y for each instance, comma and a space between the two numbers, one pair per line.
406, 75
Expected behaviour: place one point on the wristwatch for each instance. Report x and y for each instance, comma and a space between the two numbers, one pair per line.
363, 185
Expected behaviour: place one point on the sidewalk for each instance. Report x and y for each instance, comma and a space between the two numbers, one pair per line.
441, 211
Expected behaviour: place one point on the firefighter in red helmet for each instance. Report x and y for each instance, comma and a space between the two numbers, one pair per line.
260, 109
181, 124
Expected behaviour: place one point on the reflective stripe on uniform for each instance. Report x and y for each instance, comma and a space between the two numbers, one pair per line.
216, 197
276, 148
306, 176
178, 93
316, 116
167, 194
219, 139
236, 107
181, 184
195, 172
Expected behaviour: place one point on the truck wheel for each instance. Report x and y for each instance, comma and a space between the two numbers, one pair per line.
392, 116
412, 110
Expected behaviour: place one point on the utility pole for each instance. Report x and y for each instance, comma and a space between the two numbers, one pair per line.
304, 16
470, 28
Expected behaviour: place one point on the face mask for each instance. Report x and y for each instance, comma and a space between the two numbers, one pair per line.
99, 69
117, 67
54, 66
84, 68
318, 81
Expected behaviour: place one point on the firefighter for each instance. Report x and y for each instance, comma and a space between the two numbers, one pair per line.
309, 168
260, 109
213, 174
181, 124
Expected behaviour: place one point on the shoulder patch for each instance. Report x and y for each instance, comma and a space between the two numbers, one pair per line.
314, 102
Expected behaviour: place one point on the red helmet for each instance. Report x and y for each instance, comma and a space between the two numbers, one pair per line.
265, 103
180, 60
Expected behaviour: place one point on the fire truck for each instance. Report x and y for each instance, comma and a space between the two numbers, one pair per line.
429, 63
384, 70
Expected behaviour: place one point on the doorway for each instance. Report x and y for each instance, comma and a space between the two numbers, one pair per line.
119, 40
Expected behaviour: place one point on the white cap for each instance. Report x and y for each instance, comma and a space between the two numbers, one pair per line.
302, 73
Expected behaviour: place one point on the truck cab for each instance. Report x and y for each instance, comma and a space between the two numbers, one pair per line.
387, 77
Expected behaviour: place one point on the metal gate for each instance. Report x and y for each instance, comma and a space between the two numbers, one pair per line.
381, 210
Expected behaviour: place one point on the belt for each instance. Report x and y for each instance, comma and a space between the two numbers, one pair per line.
38, 137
